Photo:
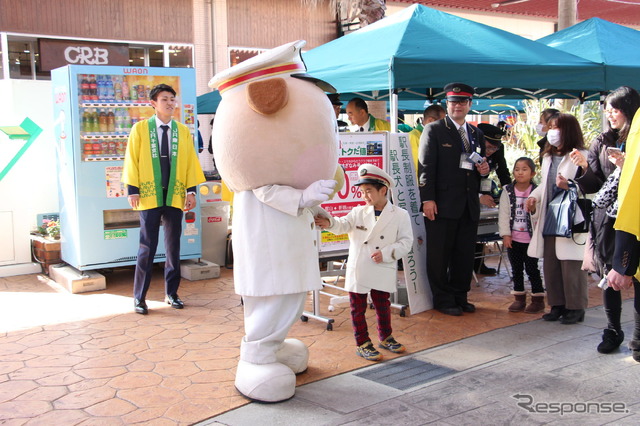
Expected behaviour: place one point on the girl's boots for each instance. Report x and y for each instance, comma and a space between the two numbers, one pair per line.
520, 303
537, 304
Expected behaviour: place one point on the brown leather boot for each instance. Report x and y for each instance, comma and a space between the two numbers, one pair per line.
520, 302
537, 304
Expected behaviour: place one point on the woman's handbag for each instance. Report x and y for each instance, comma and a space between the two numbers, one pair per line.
567, 214
560, 213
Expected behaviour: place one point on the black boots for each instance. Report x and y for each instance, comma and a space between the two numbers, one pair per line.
555, 314
611, 340
572, 316
634, 344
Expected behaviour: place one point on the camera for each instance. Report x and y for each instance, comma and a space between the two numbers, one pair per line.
475, 158
604, 283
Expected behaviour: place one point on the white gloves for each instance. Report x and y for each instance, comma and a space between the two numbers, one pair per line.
316, 193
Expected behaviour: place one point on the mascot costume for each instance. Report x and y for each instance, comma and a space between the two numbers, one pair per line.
275, 145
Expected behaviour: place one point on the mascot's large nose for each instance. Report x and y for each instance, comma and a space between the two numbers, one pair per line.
267, 96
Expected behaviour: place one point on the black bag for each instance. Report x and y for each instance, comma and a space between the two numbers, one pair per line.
560, 212
585, 206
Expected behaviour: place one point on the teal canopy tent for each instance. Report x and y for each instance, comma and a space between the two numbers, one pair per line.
208, 103
613, 45
419, 50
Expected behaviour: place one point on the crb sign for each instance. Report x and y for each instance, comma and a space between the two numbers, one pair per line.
58, 53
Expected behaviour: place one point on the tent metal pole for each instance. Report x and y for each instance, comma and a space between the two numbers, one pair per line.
393, 98
393, 110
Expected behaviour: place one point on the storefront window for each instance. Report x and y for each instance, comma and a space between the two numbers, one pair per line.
24, 62
156, 58
181, 56
136, 56
239, 55
20, 60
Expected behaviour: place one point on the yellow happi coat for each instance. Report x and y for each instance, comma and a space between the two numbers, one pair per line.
138, 167
628, 219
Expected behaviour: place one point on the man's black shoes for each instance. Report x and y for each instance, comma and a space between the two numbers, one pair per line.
174, 301
140, 307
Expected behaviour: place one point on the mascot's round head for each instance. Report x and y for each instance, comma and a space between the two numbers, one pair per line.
275, 124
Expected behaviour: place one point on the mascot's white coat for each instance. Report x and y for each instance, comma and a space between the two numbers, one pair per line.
275, 145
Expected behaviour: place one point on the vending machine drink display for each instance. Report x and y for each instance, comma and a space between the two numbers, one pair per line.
94, 110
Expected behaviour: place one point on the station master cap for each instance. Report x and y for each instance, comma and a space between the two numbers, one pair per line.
458, 91
334, 98
492, 134
280, 61
369, 173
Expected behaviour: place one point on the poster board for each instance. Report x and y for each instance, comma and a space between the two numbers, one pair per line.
406, 194
392, 153
354, 149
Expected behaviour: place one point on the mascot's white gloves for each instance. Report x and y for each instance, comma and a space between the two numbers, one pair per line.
316, 193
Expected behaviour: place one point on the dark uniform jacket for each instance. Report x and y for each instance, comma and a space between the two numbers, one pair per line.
440, 176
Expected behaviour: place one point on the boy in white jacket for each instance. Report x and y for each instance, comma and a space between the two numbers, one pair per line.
379, 234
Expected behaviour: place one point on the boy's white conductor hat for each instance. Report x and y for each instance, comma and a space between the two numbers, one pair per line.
368, 173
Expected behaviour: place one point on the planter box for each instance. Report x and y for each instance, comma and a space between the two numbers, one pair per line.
45, 251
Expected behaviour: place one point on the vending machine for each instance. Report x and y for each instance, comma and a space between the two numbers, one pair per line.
94, 109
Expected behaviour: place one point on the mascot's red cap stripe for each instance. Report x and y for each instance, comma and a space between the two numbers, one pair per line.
459, 94
378, 177
265, 72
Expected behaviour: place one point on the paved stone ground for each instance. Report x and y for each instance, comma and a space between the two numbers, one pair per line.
69, 359
530, 374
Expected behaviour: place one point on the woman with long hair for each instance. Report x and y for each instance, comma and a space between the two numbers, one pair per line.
602, 161
542, 128
565, 281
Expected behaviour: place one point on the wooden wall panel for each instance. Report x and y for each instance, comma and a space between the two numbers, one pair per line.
267, 24
148, 20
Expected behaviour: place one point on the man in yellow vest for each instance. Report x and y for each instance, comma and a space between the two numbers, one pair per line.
358, 114
431, 113
161, 171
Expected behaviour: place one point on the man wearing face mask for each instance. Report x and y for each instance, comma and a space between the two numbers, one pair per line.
543, 127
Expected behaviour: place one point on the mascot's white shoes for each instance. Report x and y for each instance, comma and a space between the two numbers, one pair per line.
265, 382
294, 354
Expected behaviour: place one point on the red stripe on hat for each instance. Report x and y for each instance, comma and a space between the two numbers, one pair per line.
371, 175
459, 94
279, 69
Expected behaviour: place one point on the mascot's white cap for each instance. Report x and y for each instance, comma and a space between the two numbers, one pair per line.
285, 59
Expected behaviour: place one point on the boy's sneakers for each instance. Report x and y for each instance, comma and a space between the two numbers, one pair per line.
368, 352
390, 344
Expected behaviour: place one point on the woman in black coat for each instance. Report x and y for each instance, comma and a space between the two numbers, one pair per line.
620, 107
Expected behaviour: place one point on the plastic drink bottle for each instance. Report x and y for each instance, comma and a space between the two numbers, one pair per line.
142, 96
99, 88
135, 115
125, 89
111, 121
134, 93
110, 91
86, 121
93, 87
117, 88
95, 126
85, 94
102, 120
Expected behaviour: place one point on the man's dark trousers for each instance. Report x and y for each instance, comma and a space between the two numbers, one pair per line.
150, 220
450, 254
